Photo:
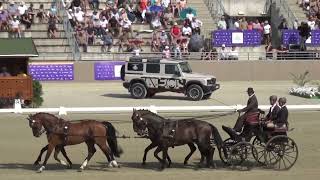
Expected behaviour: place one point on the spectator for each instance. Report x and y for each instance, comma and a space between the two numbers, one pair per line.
175, 32
123, 41
104, 23
25, 20
164, 39
4, 72
166, 53
12, 9
107, 40
250, 25
4, 19
223, 54
295, 24
41, 15
1, 6
53, 10
156, 23
15, 27
256, 25
233, 55
52, 26
177, 51
71, 18
83, 40
312, 23
243, 24
79, 15
189, 15
31, 13
114, 26
304, 32
155, 42
267, 32
196, 24
237, 24
186, 30
22, 8
90, 33
222, 24
283, 24
94, 4
126, 26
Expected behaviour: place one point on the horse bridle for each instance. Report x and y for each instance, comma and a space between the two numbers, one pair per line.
32, 121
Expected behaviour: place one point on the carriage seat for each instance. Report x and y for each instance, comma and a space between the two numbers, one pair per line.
252, 118
282, 128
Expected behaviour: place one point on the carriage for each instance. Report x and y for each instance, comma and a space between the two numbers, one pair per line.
257, 144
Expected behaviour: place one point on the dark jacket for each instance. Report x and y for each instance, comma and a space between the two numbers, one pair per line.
282, 117
252, 105
273, 115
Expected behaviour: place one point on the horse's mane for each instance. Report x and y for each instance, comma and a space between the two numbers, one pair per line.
146, 112
48, 114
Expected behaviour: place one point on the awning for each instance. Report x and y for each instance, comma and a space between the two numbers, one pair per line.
17, 47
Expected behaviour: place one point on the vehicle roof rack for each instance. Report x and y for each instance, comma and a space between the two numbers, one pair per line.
135, 59
154, 59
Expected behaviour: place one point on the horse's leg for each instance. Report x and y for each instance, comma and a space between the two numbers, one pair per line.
156, 152
192, 150
56, 152
164, 157
169, 160
64, 153
49, 151
40, 155
91, 151
151, 146
107, 152
209, 156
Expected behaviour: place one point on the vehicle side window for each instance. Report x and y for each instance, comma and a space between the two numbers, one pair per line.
153, 68
135, 66
171, 68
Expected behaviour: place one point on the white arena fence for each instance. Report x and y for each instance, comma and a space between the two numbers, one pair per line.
155, 109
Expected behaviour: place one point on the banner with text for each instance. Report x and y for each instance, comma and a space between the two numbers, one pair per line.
245, 38
51, 71
107, 70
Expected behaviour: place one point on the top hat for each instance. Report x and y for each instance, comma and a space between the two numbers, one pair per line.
250, 90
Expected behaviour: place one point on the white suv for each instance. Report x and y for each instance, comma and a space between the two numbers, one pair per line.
144, 77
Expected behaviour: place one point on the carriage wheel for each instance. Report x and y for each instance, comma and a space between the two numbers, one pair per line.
281, 153
260, 147
228, 143
242, 154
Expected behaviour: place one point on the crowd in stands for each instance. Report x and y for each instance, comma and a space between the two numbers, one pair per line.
17, 13
112, 24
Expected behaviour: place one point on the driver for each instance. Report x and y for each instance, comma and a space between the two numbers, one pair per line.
252, 107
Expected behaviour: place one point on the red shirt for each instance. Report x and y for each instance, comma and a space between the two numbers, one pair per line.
175, 30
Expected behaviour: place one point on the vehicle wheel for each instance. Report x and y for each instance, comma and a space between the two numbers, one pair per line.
195, 92
260, 147
207, 96
281, 153
138, 91
227, 144
242, 156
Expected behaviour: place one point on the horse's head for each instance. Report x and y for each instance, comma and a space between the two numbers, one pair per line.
36, 125
139, 122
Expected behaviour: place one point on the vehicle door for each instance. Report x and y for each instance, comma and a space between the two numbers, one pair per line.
171, 78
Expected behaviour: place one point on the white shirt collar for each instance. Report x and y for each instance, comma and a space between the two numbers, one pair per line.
251, 95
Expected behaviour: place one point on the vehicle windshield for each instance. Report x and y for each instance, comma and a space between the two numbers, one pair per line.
185, 67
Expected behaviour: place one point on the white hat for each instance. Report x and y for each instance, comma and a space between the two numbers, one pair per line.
167, 47
223, 45
163, 31
107, 30
175, 23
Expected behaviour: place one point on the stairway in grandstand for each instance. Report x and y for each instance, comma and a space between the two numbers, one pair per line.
48, 49
297, 10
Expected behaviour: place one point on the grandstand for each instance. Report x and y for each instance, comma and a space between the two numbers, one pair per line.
66, 44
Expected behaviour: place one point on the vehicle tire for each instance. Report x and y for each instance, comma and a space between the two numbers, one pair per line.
138, 91
207, 96
123, 72
195, 92
260, 147
227, 144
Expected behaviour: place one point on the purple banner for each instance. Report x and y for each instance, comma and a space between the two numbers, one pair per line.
107, 70
292, 37
245, 38
51, 72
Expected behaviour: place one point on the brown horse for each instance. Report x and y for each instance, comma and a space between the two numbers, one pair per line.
166, 133
62, 133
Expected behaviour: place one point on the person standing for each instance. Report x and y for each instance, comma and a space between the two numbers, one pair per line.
304, 32
267, 32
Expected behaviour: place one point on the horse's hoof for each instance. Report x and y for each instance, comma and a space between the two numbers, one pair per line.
41, 169
80, 169
185, 163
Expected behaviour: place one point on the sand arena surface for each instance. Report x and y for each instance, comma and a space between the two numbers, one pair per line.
19, 148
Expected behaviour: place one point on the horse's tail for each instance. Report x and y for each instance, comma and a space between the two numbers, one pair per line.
218, 140
112, 139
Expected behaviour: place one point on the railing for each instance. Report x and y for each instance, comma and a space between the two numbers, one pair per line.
211, 56
216, 9
69, 31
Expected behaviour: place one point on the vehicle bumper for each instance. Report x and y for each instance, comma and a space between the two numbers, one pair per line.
126, 85
210, 89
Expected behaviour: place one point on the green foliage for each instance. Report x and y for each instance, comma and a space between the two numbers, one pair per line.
37, 100
301, 79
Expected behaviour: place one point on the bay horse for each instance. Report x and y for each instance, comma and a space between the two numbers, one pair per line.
180, 132
62, 133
